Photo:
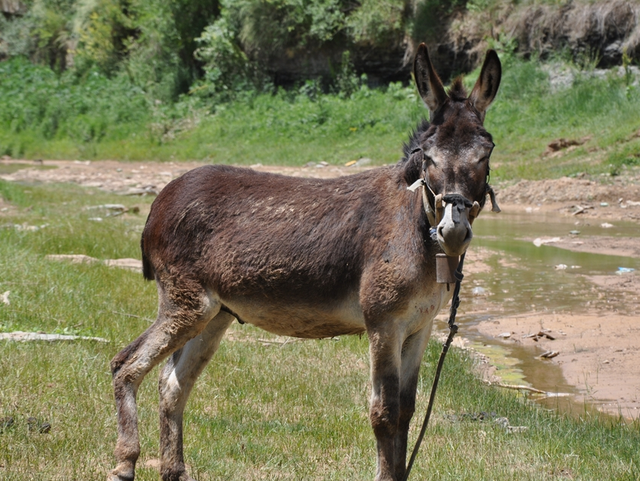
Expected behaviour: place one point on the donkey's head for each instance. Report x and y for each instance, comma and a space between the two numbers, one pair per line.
454, 149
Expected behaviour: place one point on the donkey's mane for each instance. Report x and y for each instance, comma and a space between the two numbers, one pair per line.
457, 91
414, 140
412, 169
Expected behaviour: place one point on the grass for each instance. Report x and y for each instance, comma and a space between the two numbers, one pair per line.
528, 115
264, 408
57, 118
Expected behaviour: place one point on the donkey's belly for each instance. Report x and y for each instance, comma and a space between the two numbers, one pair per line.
307, 321
298, 319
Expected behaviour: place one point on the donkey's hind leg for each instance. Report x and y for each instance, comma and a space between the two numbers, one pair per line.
184, 311
176, 381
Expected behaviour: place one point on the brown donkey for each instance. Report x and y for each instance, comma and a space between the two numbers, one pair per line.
313, 259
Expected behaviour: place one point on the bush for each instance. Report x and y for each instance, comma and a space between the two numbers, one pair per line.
228, 70
43, 34
242, 49
36, 99
378, 23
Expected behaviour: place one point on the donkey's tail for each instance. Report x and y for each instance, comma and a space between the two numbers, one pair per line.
147, 268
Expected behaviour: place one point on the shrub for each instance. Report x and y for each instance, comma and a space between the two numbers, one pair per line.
36, 99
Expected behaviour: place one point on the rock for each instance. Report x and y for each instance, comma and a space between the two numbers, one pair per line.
112, 209
478, 291
540, 335
612, 53
29, 228
148, 190
19, 336
624, 270
504, 423
5, 423
540, 241
73, 258
32, 423
131, 264
549, 354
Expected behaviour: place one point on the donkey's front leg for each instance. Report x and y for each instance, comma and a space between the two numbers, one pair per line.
384, 351
412, 354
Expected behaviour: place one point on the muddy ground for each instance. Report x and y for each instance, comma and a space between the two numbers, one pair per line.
598, 349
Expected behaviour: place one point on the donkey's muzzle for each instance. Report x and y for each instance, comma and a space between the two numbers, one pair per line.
454, 230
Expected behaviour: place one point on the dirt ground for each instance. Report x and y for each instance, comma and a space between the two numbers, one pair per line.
598, 350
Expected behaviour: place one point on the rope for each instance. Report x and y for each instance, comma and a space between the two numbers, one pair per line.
453, 328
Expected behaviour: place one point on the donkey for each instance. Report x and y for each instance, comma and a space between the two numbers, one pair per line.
312, 259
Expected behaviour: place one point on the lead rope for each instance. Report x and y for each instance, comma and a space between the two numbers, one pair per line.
453, 328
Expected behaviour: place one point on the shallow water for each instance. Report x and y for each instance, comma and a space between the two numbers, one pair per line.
523, 278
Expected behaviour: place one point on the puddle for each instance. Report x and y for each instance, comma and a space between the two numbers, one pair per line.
518, 279
524, 277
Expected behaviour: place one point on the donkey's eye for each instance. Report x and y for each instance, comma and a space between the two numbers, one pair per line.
428, 160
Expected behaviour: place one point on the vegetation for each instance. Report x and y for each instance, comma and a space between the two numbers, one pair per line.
164, 47
597, 112
126, 79
49, 115
249, 417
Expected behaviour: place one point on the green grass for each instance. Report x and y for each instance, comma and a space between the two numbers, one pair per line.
527, 115
261, 410
69, 118
96, 118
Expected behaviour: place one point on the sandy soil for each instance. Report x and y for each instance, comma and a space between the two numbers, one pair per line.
598, 349
132, 177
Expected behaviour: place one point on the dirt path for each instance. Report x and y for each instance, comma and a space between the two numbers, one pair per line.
598, 348
129, 177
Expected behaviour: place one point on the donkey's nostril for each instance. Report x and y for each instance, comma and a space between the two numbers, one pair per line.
469, 236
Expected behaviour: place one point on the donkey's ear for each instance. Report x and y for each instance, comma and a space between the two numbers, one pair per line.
427, 80
486, 87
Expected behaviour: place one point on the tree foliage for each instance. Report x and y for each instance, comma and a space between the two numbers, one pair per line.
211, 47
242, 46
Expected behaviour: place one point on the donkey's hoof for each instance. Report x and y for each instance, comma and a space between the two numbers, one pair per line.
173, 476
118, 477
168, 475
121, 474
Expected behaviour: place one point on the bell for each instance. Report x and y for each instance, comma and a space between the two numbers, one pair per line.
446, 268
